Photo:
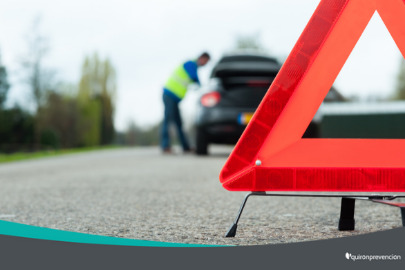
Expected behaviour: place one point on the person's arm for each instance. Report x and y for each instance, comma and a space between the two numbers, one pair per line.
191, 69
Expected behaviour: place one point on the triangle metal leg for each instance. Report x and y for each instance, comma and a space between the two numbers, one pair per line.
346, 221
232, 230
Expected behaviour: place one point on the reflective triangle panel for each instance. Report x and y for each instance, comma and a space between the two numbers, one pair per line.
273, 137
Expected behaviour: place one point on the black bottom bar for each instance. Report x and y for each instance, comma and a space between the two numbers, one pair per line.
346, 221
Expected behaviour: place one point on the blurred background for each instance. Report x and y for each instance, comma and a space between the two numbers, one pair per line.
77, 74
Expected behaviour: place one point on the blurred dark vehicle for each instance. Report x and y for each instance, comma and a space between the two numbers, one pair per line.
238, 83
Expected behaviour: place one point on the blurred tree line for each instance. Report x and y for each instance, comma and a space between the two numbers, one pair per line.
63, 115
136, 135
400, 89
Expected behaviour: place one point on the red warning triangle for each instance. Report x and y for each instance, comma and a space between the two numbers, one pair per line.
271, 156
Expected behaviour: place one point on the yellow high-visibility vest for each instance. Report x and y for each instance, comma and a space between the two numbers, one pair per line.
178, 82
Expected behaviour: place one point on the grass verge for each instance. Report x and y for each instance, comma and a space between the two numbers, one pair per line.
4, 158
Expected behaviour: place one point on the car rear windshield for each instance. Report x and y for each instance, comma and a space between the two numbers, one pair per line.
247, 58
245, 68
252, 82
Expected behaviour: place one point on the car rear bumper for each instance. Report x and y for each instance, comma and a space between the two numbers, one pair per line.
222, 125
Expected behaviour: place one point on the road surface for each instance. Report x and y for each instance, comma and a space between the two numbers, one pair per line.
140, 193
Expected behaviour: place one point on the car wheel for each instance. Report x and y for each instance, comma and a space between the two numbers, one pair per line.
201, 143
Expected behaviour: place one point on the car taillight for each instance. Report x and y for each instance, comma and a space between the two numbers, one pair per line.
210, 99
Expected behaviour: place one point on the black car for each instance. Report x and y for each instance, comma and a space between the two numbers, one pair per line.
237, 86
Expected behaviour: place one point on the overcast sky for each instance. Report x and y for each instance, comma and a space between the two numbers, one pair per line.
146, 39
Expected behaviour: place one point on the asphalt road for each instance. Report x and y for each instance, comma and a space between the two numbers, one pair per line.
140, 193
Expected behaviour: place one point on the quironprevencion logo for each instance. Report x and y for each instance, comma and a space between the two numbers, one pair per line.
363, 257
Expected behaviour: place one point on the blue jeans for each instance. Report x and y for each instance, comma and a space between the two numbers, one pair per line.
172, 115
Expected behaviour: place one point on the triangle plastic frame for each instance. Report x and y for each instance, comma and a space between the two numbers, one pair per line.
272, 156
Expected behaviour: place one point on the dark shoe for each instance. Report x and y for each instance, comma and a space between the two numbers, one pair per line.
167, 151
